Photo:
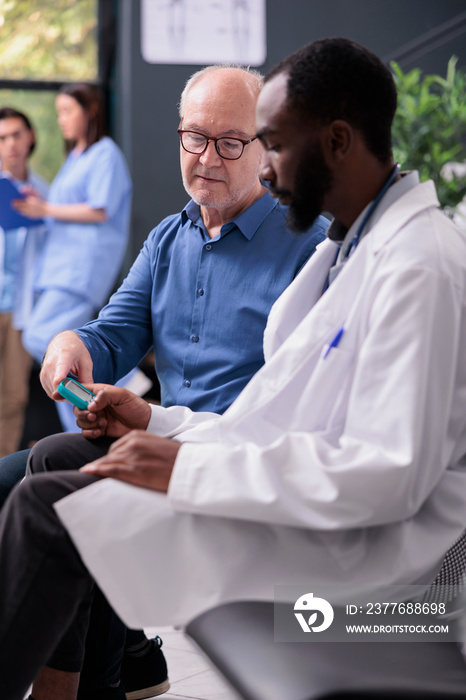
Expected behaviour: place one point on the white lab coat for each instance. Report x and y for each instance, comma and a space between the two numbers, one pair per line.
346, 467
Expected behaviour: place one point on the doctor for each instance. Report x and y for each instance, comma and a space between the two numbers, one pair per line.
342, 461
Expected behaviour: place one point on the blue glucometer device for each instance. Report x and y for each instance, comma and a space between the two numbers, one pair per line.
76, 393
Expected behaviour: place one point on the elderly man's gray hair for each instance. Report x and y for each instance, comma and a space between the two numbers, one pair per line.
256, 82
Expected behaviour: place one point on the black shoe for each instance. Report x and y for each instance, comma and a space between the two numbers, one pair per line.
146, 676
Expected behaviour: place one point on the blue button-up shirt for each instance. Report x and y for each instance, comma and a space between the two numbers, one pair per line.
201, 302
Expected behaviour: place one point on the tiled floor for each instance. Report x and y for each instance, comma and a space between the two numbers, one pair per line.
191, 676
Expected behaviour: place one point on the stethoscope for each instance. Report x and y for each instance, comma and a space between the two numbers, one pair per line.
356, 238
342, 256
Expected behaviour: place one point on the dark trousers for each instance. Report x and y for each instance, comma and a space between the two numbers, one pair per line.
12, 470
107, 635
45, 589
105, 641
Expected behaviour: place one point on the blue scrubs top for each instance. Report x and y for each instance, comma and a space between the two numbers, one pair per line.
86, 258
202, 303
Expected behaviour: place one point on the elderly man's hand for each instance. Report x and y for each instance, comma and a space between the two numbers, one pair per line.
66, 353
139, 458
114, 412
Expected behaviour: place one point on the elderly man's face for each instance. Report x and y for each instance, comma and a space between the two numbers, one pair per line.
293, 162
221, 104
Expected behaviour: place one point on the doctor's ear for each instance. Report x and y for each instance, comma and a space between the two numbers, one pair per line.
339, 139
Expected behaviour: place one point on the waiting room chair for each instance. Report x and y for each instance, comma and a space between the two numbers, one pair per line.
238, 638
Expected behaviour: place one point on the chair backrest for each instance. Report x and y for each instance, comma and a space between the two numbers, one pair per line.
449, 584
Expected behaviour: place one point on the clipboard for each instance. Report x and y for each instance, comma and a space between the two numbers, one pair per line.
9, 217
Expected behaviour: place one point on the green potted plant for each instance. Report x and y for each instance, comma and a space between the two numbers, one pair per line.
430, 130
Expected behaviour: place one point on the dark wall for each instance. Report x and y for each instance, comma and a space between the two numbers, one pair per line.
422, 33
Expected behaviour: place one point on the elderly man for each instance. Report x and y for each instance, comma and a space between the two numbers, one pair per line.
340, 462
202, 287
199, 292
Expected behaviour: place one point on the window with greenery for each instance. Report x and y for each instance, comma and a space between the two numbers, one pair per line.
43, 40
429, 129
44, 44
40, 108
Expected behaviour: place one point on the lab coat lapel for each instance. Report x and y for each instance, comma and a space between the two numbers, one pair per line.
393, 220
299, 298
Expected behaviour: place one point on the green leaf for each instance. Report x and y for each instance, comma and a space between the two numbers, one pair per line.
429, 128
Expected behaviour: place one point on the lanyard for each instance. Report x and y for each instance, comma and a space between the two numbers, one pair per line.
371, 210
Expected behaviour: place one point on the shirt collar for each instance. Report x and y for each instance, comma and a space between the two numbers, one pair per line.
408, 180
338, 233
8, 176
248, 222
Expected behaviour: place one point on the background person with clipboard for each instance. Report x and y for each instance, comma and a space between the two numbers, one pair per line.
87, 213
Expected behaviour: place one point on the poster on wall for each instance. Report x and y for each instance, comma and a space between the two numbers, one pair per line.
203, 31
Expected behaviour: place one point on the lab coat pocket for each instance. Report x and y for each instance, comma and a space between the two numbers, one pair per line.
315, 398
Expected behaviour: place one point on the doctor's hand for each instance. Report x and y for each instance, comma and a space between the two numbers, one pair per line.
32, 206
114, 412
139, 458
66, 353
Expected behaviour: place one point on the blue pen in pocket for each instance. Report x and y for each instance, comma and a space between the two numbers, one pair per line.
335, 342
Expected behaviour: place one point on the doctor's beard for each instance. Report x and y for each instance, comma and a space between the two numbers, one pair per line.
313, 180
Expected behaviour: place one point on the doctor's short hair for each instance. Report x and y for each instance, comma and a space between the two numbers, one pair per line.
256, 80
12, 113
339, 79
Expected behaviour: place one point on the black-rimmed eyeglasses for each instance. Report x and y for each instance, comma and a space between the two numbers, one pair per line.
226, 147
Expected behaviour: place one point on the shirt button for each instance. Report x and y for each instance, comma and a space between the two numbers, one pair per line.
200, 292
187, 382
208, 247
195, 338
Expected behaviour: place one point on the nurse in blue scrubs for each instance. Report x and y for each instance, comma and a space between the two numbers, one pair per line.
87, 211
